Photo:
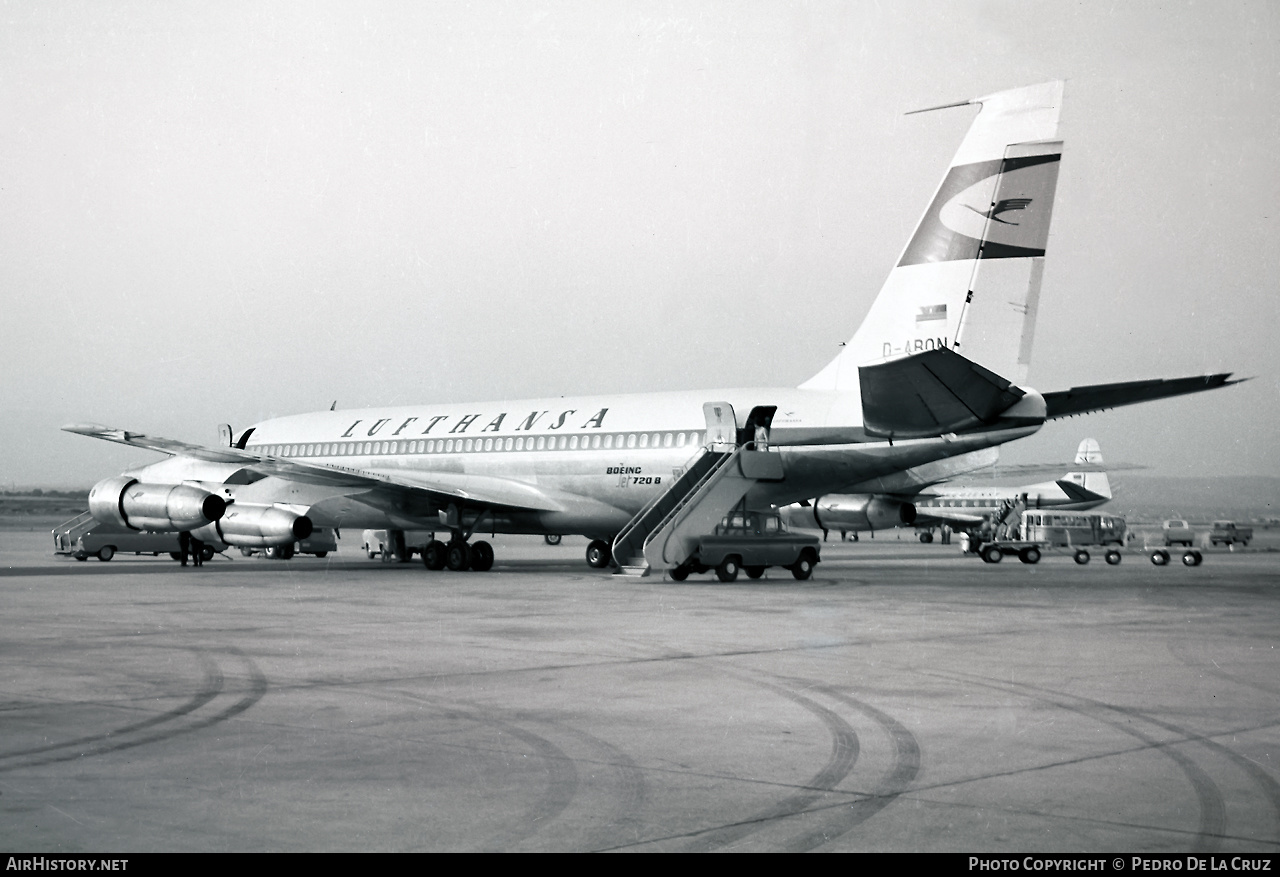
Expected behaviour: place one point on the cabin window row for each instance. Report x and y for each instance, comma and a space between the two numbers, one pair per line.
611, 441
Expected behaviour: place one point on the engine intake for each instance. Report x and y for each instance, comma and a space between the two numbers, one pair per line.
129, 503
256, 526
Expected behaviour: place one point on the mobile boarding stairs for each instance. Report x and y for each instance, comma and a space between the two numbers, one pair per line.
665, 532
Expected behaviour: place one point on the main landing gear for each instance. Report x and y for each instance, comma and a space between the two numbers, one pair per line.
458, 555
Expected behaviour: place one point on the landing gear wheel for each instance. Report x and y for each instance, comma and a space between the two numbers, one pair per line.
1113, 557
727, 571
551, 539
679, 574
802, 568
1082, 557
481, 556
1030, 554
926, 538
1160, 557
754, 572
599, 554
1191, 558
991, 554
458, 556
322, 554
435, 555
106, 552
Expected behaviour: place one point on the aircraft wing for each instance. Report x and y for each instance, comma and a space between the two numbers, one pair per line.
442, 487
949, 516
1097, 397
1007, 471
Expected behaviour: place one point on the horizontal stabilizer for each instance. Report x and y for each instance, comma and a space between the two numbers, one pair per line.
1077, 493
930, 393
1097, 397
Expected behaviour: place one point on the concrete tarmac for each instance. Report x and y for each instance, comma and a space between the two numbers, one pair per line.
905, 698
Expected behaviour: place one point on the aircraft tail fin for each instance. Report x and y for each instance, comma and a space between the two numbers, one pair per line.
1088, 485
969, 279
1089, 452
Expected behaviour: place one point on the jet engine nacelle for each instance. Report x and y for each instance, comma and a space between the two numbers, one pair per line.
129, 503
862, 511
256, 526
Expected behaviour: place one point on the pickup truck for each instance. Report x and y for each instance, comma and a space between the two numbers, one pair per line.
1227, 533
751, 541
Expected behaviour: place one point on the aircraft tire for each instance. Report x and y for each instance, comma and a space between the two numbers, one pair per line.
1082, 557
599, 554
1030, 554
727, 571
481, 556
458, 556
435, 555
678, 574
992, 554
1160, 557
106, 552
926, 538
1113, 557
754, 572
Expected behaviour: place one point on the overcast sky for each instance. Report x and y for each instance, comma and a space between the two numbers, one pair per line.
222, 212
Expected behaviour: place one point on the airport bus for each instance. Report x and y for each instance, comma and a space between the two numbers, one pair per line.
1071, 529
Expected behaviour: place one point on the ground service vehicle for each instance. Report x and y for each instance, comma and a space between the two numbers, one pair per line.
751, 541
1039, 531
1227, 533
1178, 532
83, 537
395, 546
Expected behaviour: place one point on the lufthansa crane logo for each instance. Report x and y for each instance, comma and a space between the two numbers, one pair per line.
1004, 205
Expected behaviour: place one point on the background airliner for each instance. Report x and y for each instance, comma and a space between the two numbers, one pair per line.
932, 373
959, 504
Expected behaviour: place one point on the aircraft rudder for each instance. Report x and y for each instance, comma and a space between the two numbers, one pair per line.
989, 215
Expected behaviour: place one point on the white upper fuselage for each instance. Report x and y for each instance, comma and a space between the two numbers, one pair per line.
588, 462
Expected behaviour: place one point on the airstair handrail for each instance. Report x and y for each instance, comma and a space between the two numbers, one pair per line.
668, 521
638, 518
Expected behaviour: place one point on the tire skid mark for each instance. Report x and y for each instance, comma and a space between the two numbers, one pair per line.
903, 769
102, 744
1269, 786
1213, 811
210, 687
562, 772
844, 754
631, 785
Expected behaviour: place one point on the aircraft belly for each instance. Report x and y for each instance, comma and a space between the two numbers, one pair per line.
817, 470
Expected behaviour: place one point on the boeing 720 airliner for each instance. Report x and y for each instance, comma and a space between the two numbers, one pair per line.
932, 373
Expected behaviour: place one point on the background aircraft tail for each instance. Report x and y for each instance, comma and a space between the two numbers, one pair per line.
969, 279
1087, 485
